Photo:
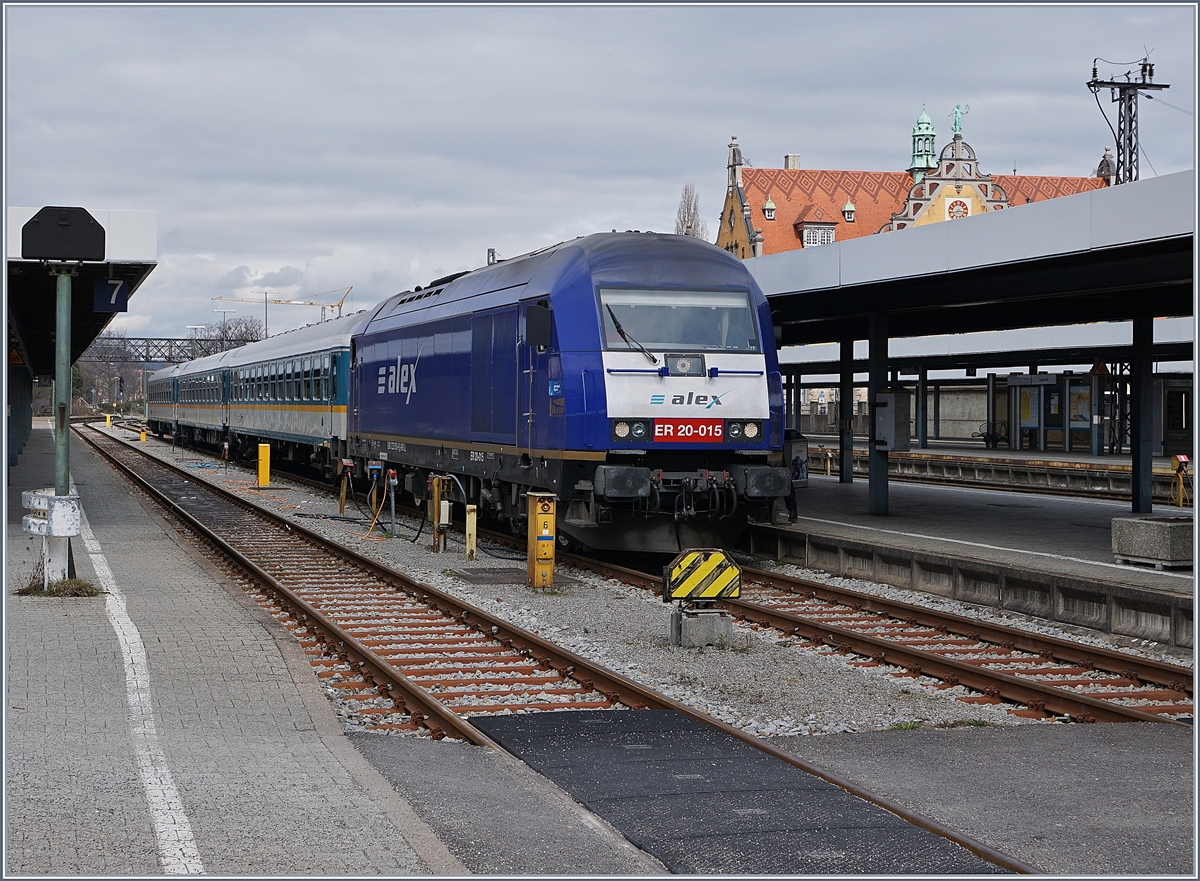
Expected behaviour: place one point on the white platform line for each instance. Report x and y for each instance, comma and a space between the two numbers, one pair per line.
976, 544
176, 846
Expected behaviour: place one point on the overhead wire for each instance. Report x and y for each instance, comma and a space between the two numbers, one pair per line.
1150, 97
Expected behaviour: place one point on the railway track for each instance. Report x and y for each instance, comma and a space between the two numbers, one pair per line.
414, 656
411, 656
1045, 675
1039, 675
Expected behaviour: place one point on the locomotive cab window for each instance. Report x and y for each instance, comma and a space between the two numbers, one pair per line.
667, 320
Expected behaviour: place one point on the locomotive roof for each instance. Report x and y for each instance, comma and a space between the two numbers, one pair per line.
655, 260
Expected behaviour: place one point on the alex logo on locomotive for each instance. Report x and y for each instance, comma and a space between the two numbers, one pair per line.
399, 378
692, 400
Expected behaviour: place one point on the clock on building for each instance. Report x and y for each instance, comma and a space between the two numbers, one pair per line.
956, 209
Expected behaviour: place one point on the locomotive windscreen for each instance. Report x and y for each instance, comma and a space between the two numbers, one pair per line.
688, 320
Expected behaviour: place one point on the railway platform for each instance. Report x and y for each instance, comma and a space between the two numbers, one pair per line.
1039, 554
170, 725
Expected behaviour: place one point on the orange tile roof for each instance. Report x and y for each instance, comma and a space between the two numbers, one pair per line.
1023, 188
799, 194
876, 195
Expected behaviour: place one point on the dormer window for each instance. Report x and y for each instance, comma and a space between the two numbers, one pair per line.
817, 235
769, 209
848, 211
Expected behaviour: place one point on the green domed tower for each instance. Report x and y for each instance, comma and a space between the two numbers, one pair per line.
923, 158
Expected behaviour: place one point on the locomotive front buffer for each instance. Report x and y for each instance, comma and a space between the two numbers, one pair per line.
697, 578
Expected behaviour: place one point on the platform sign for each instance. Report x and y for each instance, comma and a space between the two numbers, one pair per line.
110, 295
58, 233
702, 575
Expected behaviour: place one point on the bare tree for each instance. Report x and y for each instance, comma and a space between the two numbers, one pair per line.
242, 330
112, 382
688, 221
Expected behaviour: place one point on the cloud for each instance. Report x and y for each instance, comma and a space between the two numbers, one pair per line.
235, 278
281, 278
313, 148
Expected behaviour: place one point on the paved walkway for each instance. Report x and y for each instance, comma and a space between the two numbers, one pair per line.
1053, 534
172, 726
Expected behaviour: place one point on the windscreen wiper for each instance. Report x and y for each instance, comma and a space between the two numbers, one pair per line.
634, 344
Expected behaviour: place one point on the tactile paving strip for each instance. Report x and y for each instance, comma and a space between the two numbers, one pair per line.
704, 802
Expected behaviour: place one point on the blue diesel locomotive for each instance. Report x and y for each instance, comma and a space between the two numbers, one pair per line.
634, 375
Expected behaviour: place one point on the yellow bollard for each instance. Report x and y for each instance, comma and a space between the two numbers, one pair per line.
539, 571
108, 420
143, 437
470, 530
264, 464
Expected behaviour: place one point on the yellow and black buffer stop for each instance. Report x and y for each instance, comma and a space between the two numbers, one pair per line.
701, 574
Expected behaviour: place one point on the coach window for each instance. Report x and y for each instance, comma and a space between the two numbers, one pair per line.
295, 371
325, 379
275, 396
333, 378
317, 379
306, 378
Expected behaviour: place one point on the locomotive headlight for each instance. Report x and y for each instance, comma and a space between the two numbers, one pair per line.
621, 429
639, 430
751, 430
734, 431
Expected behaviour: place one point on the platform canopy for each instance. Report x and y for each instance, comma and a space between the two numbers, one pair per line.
131, 253
1114, 254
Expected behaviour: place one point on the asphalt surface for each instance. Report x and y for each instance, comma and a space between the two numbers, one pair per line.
1070, 799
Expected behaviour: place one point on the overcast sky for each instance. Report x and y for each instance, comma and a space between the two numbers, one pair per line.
306, 149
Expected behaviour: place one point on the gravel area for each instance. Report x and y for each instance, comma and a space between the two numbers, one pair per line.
764, 683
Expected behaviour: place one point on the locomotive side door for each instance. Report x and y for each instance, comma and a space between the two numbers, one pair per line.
533, 393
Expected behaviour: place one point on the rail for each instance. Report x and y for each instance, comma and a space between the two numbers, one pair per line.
613, 685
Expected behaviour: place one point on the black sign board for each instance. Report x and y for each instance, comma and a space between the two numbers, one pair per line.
62, 234
110, 295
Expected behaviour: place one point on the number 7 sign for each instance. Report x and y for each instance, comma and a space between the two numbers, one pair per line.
110, 295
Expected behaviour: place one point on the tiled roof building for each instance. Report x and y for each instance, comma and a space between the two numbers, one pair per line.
769, 210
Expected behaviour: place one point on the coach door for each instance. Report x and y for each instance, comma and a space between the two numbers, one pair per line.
322, 390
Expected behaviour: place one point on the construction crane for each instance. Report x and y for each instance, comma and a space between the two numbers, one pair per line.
265, 301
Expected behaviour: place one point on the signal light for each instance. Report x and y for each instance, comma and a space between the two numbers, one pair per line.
751, 430
621, 429
639, 430
734, 431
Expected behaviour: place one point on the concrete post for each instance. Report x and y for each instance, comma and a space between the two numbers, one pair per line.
62, 384
937, 410
1141, 410
846, 414
877, 462
922, 408
57, 553
991, 402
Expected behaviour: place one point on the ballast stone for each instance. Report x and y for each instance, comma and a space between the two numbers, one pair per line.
699, 629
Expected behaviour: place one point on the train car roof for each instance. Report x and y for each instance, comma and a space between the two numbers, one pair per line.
311, 337
614, 259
